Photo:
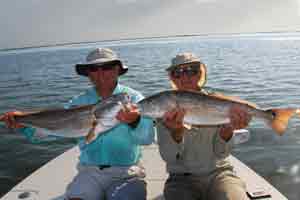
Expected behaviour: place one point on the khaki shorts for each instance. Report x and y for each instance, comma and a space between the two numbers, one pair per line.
221, 185
93, 183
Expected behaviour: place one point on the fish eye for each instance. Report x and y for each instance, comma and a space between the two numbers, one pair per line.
273, 114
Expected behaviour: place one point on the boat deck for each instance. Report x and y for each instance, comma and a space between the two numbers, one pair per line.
156, 176
50, 181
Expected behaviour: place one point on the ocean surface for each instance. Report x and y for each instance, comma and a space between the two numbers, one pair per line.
262, 68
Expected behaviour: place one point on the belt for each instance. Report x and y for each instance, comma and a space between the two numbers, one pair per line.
101, 167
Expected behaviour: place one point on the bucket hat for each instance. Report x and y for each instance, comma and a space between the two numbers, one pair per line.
100, 57
183, 58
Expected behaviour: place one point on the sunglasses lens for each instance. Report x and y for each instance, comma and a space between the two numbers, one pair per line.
93, 69
176, 73
189, 71
192, 72
107, 68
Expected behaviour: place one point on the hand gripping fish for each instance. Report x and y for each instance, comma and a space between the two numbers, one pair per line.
201, 109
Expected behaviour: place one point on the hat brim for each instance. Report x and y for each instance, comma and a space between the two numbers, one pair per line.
188, 62
82, 69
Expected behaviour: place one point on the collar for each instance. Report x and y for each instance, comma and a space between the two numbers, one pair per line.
117, 90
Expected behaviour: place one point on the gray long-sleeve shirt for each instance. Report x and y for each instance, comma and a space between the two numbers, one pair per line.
201, 152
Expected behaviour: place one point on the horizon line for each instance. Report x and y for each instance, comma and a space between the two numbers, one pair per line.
146, 37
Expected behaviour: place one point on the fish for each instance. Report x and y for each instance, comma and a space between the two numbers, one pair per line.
203, 109
74, 122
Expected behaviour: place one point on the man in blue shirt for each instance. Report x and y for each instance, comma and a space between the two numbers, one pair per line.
111, 159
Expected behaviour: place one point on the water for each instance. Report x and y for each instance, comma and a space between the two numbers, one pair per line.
260, 68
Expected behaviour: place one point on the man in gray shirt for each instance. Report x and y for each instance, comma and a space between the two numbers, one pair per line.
196, 157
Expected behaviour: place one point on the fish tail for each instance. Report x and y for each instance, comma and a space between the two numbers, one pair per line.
90, 137
2, 117
281, 118
91, 134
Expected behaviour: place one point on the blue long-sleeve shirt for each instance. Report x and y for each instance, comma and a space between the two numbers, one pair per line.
120, 146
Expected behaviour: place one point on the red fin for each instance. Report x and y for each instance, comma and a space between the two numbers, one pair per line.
281, 119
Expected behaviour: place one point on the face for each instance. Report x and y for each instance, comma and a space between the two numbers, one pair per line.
104, 77
186, 76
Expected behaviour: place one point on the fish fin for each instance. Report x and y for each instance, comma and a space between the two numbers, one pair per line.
281, 118
213, 121
187, 126
232, 98
125, 107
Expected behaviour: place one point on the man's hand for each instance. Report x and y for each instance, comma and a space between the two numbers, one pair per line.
9, 119
129, 114
239, 118
173, 120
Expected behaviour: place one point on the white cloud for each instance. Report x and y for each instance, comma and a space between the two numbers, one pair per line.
125, 1
205, 1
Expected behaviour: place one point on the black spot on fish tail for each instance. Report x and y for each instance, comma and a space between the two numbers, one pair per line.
273, 114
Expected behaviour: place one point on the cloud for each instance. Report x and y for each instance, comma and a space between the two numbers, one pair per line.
125, 1
36, 22
205, 1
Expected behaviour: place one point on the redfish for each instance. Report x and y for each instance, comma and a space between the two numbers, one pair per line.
211, 109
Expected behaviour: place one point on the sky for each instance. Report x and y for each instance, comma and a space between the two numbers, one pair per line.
25, 23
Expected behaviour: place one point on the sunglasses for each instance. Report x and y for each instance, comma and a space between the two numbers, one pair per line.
95, 68
189, 71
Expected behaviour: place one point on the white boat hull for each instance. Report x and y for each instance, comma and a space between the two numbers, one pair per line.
49, 182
